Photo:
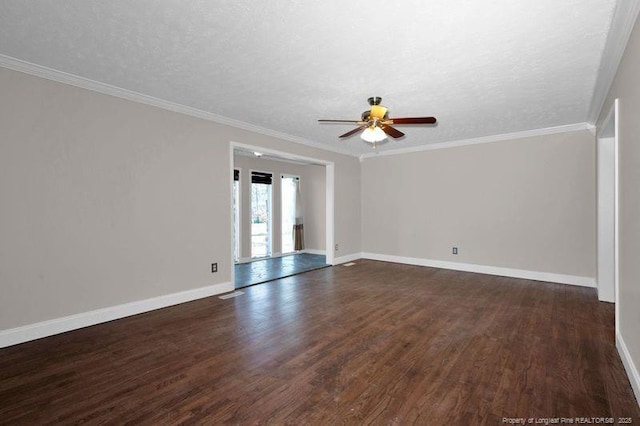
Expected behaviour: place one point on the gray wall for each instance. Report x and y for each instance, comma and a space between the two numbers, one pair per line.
524, 204
107, 201
313, 192
626, 87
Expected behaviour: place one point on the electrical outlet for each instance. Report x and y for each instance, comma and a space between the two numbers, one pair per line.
336, 247
455, 250
214, 267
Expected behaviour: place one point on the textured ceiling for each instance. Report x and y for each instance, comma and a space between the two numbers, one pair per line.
482, 68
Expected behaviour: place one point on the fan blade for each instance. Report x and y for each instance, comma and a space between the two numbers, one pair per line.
340, 121
412, 120
394, 133
354, 131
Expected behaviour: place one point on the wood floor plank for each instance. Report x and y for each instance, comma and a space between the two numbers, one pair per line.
375, 343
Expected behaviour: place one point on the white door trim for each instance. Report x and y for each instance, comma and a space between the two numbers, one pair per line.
608, 134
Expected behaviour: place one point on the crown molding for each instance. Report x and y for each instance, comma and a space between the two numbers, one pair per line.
622, 22
107, 89
484, 139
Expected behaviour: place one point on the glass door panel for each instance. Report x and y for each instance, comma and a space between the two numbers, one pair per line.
260, 220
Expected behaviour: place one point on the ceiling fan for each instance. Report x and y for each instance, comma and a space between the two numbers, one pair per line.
376, 124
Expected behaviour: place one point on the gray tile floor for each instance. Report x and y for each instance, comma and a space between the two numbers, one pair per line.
264, 270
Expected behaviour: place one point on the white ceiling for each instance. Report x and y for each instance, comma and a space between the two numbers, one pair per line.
482, 68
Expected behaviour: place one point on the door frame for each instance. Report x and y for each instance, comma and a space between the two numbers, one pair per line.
609, 130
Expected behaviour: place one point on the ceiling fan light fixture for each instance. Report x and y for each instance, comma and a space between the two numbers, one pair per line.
376, 125
373, 134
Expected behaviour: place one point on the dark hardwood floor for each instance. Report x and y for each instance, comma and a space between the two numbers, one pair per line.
375, 343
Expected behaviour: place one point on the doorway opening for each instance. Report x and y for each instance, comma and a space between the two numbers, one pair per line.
283, 212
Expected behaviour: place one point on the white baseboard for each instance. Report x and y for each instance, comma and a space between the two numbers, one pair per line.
60, 325
629, 366
347, 258
38, 330
314, 251
491, 270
